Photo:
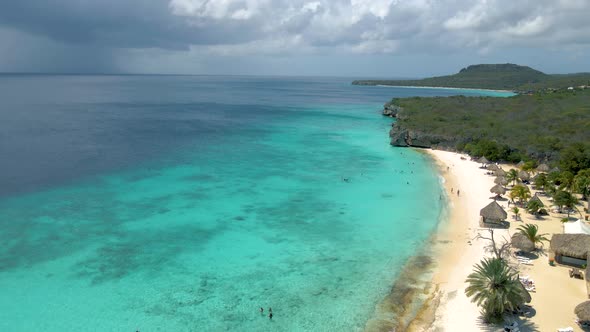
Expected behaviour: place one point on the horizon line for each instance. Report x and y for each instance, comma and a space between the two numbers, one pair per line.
188, 75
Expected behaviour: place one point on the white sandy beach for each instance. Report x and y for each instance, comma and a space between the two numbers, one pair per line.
556, 294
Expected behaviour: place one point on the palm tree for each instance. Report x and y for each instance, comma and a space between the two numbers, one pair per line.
534, 206
512, 176
566, 181
531, 231
516, 212
565, 199
582, 183
494, 287
521, 192
540, 181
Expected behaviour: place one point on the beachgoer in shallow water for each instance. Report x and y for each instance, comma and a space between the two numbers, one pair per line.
261, 310
270, 315
269, 309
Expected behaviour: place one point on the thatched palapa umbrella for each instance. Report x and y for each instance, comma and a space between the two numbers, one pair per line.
498, 190
501, 180
527, 295
493, 212
524, 176
543, 168
536, 198
493, 167
583, 311
520, 241
500, 172
483, 161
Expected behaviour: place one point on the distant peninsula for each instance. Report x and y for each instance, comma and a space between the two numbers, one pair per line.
512, 77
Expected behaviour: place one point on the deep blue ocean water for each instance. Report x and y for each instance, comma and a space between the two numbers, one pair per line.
186, 203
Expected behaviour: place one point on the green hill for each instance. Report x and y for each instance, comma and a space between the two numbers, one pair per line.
493, 76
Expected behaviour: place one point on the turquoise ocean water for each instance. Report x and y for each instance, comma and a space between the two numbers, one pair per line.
170, 203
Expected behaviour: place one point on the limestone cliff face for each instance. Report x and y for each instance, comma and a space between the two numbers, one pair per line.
391, 110
401, 136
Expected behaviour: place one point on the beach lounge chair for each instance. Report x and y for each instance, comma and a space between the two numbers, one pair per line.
566, 329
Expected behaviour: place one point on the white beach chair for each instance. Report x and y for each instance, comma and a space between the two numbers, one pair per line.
566, 329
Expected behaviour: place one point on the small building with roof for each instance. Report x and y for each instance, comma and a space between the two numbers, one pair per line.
570, 249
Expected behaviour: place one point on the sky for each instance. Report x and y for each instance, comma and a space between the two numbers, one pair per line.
353, 38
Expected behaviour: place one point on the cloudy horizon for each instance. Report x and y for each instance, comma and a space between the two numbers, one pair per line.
355, 38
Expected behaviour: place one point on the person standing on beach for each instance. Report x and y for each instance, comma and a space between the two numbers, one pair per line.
458, 192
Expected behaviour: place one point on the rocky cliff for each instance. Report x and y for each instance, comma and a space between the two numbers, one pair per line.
401, 136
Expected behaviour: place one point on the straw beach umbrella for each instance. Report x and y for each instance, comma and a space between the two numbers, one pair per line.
493, 167
524, 176
543, 168
483, 161
527, 296
520, 241
501, 180
500, 172
498, 190
536, 198
493, 212
583, 311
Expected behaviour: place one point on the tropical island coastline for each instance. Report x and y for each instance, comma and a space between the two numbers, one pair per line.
456, 131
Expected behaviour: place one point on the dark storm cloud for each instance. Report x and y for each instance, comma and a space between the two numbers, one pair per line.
184, 35
125, 24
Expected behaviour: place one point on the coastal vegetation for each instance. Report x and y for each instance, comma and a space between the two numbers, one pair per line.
531, 232
534, 130
493, 76
495, 288
548, 127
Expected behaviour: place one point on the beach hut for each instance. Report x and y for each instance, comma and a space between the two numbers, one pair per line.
521, 242
543, 168
570, 249
582, 310
498, 190
493, 215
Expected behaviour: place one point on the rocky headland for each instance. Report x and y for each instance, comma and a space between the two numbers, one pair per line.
401, 136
